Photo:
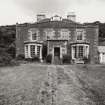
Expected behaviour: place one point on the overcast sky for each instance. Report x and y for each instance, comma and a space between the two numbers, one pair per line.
12, 11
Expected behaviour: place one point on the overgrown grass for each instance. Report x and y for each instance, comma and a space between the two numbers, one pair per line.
92, 78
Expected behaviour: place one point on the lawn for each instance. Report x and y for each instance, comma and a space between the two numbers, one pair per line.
28, 84
20, 84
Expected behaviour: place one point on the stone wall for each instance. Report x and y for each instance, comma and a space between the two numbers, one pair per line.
91, 36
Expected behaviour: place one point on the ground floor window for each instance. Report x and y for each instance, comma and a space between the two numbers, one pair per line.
32, 50
80, 51
38, 50
26, 51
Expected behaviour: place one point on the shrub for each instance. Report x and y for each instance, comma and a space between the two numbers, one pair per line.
20, 57
7, 60
66, 59
36, 58
49, 58
86, 60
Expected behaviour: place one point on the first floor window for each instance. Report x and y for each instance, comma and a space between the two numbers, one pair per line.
32, 48
79, 36
34, 36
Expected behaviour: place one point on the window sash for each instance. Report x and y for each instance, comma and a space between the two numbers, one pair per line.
34, 36
32, 48
80, 34
80, 51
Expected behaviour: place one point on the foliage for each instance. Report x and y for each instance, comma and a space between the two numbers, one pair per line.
20, 57
49, 58
86, 60
6, 59
7, 39
34, 59
66, 58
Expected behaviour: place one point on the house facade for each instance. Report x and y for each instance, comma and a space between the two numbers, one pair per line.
59, 36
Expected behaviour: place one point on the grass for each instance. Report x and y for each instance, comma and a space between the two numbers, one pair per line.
92, 78
20, 85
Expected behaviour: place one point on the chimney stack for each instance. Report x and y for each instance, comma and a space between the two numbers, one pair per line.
71, 16
40, 17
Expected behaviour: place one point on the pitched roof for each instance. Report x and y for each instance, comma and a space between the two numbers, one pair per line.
63, 23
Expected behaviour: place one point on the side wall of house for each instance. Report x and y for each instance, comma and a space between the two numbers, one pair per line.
92, 37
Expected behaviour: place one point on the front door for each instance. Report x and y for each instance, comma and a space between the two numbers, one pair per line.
57, 55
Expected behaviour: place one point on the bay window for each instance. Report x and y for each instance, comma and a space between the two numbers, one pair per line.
80, 51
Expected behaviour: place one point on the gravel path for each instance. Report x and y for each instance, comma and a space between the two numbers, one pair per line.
62, 87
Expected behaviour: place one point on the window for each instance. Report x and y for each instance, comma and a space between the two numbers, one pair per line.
80, 35
38, 50
34, 36
80, 51
32, 48
26, 51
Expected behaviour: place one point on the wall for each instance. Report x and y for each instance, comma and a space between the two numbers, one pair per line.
92, 36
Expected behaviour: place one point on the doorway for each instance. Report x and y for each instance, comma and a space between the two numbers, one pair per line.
57, 55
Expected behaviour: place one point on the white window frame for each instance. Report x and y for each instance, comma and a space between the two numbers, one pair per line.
33, 31
80, 32
75, 53
28, 53
65, 34
49, 33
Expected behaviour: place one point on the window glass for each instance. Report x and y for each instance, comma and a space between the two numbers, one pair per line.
80, 35
26, 50
80, 52
38, 50
34, 36
32, 50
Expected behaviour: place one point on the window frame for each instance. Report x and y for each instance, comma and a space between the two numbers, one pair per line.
80, 34
33, 32
34, 36
77, 53
32, 50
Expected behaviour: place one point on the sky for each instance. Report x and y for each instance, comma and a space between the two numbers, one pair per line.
21, 11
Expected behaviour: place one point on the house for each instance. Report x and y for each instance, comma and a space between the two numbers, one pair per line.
58, 36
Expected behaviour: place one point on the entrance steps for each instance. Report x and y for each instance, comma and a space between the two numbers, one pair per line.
56, 60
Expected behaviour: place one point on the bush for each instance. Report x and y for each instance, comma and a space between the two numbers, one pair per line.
86, 60
20, 57
49, 58
36, 58
7, 60
66, 59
